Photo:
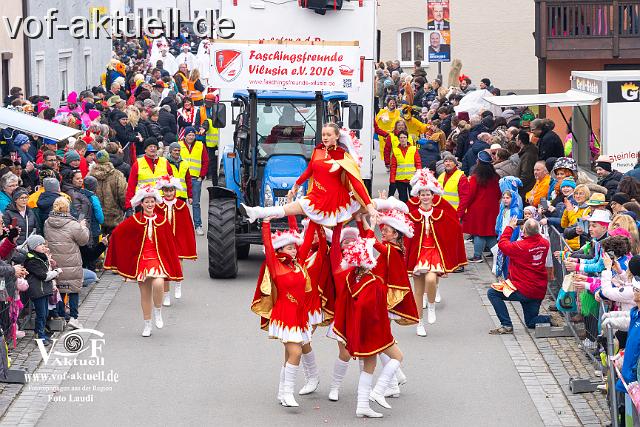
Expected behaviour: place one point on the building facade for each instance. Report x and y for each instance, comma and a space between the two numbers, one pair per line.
65, 64
493, 39
12, 52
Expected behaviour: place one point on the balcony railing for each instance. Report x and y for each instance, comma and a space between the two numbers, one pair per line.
587, 29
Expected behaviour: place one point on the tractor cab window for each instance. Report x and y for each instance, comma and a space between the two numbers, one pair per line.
286, 128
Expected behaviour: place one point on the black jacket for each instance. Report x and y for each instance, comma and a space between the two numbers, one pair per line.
610, 182
167, 122
153, 129
550, 145
528, 158
37, 265
120, 164
45, 203
429, 154
462, 144
27, 223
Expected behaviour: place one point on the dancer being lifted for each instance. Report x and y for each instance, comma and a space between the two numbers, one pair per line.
437, 247
333, 174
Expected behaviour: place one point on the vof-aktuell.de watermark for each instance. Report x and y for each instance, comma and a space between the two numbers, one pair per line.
73, 368
117, 25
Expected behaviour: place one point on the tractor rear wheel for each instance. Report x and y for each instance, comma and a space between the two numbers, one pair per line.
221, 238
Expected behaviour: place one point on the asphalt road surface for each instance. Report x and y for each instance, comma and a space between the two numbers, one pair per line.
212, 365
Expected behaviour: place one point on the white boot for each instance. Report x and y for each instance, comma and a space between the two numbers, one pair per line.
438, 297
157, 315
281, 385
364, 389
424, 301
146, 332
402, 378
166, 299
290, 372
420, 330
178, 290
394, 389
377, 394
431, 313
311, 374
339, 371
258, 212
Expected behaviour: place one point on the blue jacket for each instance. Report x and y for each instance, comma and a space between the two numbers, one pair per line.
631, 352
635, 172
471, 157
5, 200
502, 261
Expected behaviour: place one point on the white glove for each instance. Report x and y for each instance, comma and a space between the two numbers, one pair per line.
51, 275
618, 320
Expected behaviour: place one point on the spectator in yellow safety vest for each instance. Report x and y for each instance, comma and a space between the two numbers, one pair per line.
204, 123
194, 153
146, 170
180, 169
405, 160
454, 182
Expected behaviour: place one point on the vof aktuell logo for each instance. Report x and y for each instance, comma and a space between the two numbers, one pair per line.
65, 350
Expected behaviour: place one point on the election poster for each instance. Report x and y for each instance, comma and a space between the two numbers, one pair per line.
439, 29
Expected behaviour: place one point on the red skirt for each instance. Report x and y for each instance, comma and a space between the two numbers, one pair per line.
429, 260
362, 319
149, 265
289, 320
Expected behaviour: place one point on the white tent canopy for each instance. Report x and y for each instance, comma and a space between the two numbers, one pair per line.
34, 125
570, 98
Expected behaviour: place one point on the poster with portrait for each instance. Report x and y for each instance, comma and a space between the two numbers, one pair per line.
438, 15
439, 46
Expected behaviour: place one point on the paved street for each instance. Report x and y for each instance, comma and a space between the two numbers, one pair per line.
211, 365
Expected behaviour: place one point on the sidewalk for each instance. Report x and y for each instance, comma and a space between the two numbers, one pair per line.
94, 301
545, 366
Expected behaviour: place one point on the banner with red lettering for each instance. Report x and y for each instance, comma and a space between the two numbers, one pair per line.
285, 65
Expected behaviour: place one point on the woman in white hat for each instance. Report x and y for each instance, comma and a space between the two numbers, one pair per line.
361, 319
143, 248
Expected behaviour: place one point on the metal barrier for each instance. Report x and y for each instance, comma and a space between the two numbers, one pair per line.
558, 243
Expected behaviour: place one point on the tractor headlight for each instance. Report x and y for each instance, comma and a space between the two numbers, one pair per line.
268, 196
300, 193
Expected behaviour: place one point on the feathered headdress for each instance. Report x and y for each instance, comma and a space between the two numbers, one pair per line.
168, 181
143, 192
281, 239
359, 253
351, 144
396, 219
347, 233
423, 179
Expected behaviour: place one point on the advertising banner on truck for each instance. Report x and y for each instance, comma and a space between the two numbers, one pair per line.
286, 65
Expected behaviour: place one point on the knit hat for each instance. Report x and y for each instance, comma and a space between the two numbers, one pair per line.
188, 130
550, 163
34, 241
359, 253
568, 182
19, 192
51, 185
463, 115
604, 165
621, 198
90, 183
174, 145
102, 157
72, 155
486, 81
20, 139
484, 157
49, 141
150, 141
148, 103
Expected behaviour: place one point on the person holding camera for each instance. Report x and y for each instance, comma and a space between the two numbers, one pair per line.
527, 278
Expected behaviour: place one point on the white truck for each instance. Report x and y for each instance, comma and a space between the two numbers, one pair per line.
280, 98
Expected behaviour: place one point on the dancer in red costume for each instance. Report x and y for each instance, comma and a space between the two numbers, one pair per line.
437, 247
142, 248
361, 319
392, 268
177, 214
334, 176
281, 298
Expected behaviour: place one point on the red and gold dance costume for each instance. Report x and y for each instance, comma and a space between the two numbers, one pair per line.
178, 216
391, 268
134, 250
362, 317
333, 177
281, 293
437, 245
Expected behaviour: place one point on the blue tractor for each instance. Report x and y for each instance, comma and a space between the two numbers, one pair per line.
274, 136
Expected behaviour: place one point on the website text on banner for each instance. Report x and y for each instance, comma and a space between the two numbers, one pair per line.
276, 65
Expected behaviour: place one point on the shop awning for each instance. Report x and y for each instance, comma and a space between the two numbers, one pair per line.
570, 98
34, 125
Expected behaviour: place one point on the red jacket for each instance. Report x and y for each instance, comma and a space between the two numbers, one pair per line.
480, 211
394, 163
527, 258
